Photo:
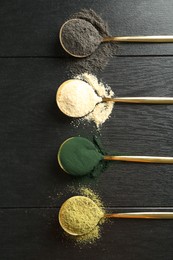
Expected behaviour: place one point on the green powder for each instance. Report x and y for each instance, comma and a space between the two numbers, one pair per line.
78, 156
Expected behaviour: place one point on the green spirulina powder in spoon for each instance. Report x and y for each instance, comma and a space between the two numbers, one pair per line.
78, 156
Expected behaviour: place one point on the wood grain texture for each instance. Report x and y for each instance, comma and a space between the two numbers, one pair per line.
30, 28
32, 129
33, 234
32, 185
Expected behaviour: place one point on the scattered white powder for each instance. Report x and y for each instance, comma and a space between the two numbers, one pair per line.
76, 98
102, 111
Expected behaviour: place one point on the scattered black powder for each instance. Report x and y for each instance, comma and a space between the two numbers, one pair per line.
80, 37
99, 59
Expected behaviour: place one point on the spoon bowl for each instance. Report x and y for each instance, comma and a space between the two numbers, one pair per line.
76, 28
79, 215
74, 92
78, 156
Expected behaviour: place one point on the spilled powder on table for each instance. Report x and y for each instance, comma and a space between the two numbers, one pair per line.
102, 111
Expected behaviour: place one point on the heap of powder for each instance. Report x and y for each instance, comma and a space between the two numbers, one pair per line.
95, 234
79, 100
79, 215
80, 37
79, 157
102, 111
99, 59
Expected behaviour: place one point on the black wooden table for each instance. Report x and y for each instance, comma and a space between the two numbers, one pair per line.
32, 66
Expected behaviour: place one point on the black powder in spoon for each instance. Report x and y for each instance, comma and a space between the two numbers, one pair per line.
100, 57
80, 37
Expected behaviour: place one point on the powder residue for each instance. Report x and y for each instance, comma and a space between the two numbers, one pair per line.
90, 237
99, 59
85, 191
102, 111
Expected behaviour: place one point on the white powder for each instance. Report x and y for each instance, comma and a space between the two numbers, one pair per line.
76, 98
82, 97
102, 111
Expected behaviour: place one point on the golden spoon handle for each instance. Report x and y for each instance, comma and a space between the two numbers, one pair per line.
139, 159
142, 100
159, 38
143, 215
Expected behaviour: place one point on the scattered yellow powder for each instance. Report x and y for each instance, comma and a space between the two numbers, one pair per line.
85, 191
90, 237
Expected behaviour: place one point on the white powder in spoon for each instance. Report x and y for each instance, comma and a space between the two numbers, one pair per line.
102, 111
76, 98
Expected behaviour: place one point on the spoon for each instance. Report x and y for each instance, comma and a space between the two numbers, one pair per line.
78, 156
88, 39
79, 215
83, 104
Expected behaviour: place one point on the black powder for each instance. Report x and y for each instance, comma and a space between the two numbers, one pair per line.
80, 37
100, 57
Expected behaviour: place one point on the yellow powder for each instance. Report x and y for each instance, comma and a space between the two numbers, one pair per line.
94, 234
90, 237
85, 191
79, 215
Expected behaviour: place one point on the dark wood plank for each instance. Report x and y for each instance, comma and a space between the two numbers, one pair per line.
30, 28
33, 234
32, 129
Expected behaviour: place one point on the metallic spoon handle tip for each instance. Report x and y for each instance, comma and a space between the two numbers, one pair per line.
141, 100
151, 39
139, 159
142, 215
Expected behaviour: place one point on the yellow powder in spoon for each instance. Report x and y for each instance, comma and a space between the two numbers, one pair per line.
83, 190
94, 234
79, 215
